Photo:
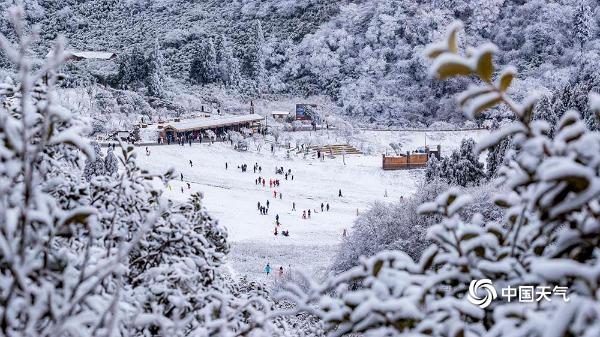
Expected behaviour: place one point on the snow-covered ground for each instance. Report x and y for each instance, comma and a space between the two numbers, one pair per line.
232, 196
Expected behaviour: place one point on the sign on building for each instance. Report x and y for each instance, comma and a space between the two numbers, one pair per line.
305, 112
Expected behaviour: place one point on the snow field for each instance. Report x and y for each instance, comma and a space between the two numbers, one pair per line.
231, 196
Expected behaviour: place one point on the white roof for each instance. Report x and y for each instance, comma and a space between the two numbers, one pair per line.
212, 122
88, 55
280, 113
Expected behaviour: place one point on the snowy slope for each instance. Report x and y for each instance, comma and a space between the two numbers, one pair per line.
231, 195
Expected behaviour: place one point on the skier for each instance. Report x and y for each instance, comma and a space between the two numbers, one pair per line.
327, 207
189, 186
181, 174
259, 169
267, 203
344, 233
340, 193
281, 271
226, 165
267, 269
191, 165
303, 214
309, 213
258, 205
263, 182
293, 206
275, 194
322, 206
275, 232
280, 196
277, 217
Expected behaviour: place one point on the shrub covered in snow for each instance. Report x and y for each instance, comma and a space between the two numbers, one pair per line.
462, 168
389, 226
549, 236
398, 226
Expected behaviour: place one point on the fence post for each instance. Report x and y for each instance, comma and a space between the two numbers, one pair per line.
408, 159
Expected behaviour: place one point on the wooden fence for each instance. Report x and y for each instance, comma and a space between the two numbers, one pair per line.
410, 160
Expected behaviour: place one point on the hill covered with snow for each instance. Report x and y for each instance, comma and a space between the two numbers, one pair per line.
365, 55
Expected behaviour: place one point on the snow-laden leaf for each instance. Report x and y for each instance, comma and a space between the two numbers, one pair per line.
481, 103
483, 60
448, 65
505, 78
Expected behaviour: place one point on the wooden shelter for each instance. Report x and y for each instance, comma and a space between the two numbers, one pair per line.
193, 128
410, 160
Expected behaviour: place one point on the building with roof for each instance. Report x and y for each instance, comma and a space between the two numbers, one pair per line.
280, 115
196, 128
86, 55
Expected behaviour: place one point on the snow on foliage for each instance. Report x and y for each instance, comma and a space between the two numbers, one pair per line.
462, 168
104, 256
549, 237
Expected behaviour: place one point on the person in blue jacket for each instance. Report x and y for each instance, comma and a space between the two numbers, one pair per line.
268, 269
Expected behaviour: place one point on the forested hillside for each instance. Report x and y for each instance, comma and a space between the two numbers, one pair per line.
366, 55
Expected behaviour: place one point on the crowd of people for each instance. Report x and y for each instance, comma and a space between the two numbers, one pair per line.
274, 189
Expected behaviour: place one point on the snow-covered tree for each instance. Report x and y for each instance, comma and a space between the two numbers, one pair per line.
259, 141
204, 68
133, 69
260, 71
229, 66
462, 168
59, 279
111, 164
156, 78
94, 166
583, 23
497, 157
235, 137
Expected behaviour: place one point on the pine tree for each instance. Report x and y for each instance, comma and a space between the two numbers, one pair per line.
229, 66
204, 69
94, 167
260, 71
583, 28
461, 168
156, 79
111, 164
496, 157
132, 69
